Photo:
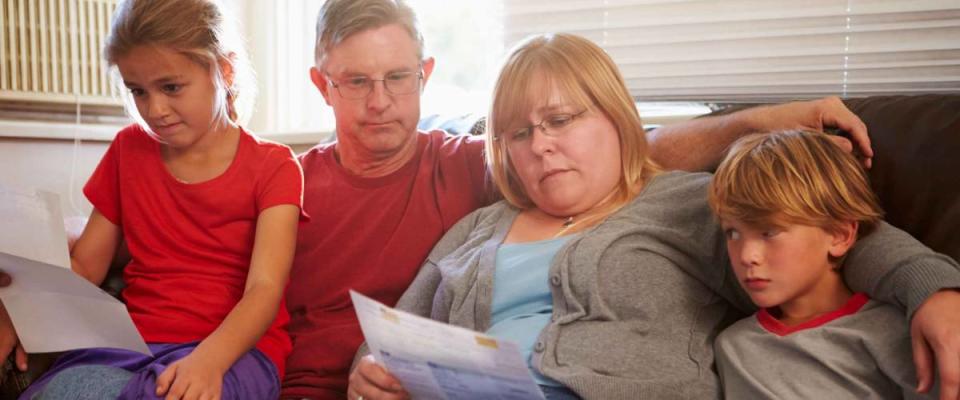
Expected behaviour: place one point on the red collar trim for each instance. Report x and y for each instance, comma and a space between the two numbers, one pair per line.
773, 325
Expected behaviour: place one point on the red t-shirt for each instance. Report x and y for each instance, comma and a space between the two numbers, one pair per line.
191, 243
370, 235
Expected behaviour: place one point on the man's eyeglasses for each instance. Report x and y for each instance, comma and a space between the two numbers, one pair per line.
553, 125
359, 87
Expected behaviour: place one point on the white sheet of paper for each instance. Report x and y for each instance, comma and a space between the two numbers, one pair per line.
52, 308
33, 227
434, 360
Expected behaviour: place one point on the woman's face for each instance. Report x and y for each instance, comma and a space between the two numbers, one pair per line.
569, 161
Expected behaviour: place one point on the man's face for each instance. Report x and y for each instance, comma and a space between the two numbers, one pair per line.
380, 123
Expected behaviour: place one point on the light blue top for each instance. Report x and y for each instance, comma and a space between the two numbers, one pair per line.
522, 304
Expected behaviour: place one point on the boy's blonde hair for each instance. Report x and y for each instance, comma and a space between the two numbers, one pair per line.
199, 30
585, 76
339, 19
793, 177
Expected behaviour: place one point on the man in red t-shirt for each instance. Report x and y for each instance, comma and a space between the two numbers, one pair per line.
384, 193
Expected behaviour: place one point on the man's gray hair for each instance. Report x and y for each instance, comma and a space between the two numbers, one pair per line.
339, 19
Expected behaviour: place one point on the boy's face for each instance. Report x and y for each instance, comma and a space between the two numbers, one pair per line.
778, 265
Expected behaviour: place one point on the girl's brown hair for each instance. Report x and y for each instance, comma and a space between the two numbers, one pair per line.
199, 30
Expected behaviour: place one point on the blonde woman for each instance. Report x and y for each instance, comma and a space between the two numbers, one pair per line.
609, 274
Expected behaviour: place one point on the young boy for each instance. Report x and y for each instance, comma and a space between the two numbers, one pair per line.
791, 204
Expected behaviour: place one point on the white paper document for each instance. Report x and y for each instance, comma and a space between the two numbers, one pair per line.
434, 360
52, 308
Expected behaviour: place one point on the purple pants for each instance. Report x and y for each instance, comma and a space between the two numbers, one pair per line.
253, 376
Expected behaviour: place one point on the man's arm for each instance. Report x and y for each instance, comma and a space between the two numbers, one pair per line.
699, 144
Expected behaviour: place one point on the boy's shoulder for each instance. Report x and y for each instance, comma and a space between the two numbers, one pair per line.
880, 319
865, 354
741, 329
873, 319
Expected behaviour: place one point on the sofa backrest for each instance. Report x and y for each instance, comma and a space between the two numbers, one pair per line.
916, 167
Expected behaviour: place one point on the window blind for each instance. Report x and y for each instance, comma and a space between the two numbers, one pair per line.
761, 50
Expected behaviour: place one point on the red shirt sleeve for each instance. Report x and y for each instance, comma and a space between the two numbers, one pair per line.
281, 181
103, 187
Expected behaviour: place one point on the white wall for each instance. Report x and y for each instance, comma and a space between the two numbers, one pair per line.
49, 165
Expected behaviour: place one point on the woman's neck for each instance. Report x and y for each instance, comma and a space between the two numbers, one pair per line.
533, 225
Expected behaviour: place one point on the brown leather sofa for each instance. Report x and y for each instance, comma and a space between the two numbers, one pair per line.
916, 170
916, 174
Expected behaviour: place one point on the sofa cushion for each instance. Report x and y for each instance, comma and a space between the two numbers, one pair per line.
466, 124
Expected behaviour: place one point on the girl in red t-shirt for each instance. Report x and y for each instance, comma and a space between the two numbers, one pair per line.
208, 211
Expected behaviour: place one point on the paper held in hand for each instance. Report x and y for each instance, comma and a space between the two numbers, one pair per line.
52, 308
434, 360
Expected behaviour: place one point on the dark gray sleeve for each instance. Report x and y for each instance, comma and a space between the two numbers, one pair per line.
893, 267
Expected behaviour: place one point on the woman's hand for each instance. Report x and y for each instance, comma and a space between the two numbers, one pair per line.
193, 377
370, 381
935, 332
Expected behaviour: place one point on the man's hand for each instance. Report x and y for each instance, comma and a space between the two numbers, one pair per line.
701, 143
817, 115
935, 332
373, 382
8, 336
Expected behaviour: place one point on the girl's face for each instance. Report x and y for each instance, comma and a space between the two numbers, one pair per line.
569, 159
175, 96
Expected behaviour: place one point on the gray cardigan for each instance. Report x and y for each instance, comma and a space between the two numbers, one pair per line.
639, 299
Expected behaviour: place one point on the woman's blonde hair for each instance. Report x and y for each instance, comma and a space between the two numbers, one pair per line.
793, 177
585, 76
339, 19
199, 30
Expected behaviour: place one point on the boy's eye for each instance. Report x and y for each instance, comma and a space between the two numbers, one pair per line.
136, 92
731, 234
769, 233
